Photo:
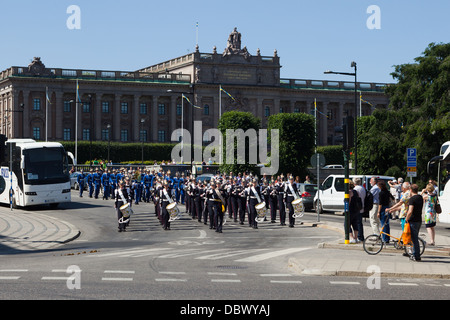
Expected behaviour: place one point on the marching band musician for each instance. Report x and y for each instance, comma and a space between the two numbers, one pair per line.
290, 194
253, 195
121, 194
279, 186
220, 201
156, 195
233, 196
214, 205
273, 200
165, 198
203, 202
241, 200
195, 200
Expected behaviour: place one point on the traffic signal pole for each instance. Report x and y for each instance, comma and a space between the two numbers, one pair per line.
347, 197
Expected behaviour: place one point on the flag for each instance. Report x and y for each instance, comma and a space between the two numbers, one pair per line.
46, 95
187, 99
221, 89
78, 94
370, 104
315, 106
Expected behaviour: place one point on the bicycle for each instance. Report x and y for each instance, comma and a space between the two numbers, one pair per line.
374, 243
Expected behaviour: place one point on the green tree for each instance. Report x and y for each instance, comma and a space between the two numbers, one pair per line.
297, 141
235, 120
418, 115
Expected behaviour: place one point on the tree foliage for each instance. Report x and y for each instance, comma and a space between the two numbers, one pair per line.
418, 115
297, 140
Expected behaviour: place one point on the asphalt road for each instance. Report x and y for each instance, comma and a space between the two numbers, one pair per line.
188, 263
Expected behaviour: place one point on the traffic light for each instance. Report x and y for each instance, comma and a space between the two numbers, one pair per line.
348, 133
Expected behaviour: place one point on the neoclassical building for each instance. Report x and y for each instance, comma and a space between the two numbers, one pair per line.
146, 105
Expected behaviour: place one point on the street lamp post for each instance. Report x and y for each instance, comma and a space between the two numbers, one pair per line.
353, 74
142, 140
109, 142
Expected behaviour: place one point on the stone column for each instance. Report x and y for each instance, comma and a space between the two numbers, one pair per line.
98, 117
58, 115
26, 114
136, 121
154, 126
117, 116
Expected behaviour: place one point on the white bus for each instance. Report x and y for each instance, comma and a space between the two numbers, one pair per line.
35, 173
443, 161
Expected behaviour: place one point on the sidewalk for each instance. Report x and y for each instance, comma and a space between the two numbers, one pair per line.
340, 259
31, 231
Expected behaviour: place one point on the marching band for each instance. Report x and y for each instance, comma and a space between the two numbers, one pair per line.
210, 202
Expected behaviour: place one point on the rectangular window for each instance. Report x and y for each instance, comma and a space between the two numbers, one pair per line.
143, 136
161, 136
161, 109
124, 135
36, 104
105, 107
86, 134
179, 110
143, 108
67, 135
67, 106
86, 107
124, 108
105, 134
36, 133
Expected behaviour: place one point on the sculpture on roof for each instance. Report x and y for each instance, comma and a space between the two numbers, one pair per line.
234, 45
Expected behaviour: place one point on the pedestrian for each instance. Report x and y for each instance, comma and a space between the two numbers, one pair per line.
403, 203
354, 210
362, 195
385, 198
429, 195
122, 197
414, 218
81, 180
373, 213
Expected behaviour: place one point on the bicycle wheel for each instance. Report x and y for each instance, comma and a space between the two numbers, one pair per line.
373, 244
409, 247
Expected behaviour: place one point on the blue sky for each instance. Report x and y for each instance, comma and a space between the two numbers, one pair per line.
310, 36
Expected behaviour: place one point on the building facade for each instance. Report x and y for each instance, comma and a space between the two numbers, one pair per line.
146, 105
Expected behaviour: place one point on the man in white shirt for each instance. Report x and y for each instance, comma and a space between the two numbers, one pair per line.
362, 194
373, 214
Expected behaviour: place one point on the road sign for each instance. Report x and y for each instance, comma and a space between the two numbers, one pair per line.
411, 160
412, 172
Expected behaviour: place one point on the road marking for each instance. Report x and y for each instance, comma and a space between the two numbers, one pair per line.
218, 256
345, 282
13, 270
55, 278
287, 282
118, 271
171, 272
171, 280
274, 254
9, 278
222, 274
403, 284
127, 253
276, 275
226, 280
117, 279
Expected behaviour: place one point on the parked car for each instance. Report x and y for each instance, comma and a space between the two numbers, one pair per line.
334, 166
307, 192
74, 181
332, 191
205, 177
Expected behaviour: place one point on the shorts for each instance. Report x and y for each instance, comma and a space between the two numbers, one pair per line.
430, 225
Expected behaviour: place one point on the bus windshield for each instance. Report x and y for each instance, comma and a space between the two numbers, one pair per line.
45, 166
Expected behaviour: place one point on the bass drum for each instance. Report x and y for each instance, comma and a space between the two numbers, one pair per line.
174, 212
261, 212
299, 208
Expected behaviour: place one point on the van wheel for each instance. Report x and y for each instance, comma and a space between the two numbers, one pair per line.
319, 208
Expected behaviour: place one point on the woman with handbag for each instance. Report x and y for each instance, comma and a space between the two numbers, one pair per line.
430, 199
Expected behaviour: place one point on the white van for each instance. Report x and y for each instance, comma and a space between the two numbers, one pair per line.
330, 197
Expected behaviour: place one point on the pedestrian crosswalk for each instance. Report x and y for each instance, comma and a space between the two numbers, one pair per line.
229, 254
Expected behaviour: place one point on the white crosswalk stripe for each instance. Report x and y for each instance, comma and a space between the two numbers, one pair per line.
250, 255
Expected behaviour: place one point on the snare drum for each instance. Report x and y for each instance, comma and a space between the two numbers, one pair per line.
299, 209
126, 210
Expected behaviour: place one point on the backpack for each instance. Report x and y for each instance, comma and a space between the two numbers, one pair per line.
368, 201
356, 203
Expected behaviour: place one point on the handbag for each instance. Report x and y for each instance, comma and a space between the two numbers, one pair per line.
438, 207
406, 236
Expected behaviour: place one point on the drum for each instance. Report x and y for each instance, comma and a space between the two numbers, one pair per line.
174, 212
126, 210
261, 212
299, 209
